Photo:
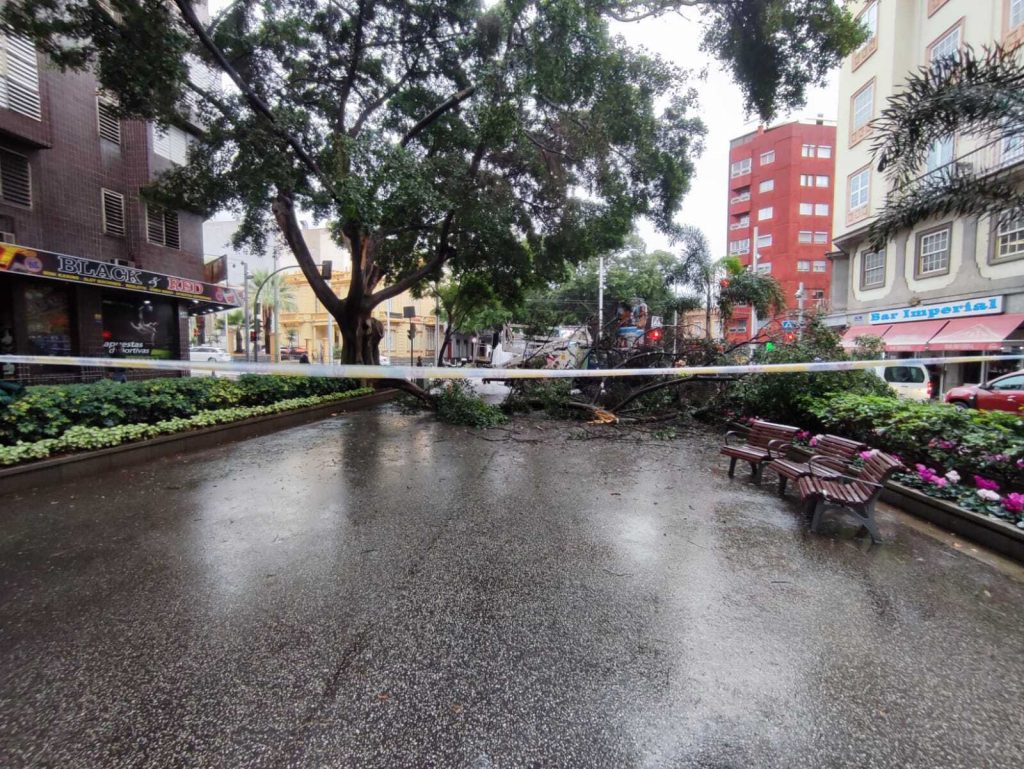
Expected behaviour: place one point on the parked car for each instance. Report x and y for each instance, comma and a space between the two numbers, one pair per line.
385, 360
908, 381
293, 353
1005, 393
217, 354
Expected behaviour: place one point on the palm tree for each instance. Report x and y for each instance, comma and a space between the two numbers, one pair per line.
276, 296
698, 271
966, 94
741, 285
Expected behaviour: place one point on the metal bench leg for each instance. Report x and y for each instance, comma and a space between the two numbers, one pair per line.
819, 510
732, 467
782, 485
755, 471
868, 519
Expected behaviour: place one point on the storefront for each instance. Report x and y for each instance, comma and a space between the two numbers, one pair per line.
964, 327
55, 304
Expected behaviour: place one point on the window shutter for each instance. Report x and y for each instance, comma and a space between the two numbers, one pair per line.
21, 77
113, 213
15, 179
171, 236
154, 225
110, 124
161, 142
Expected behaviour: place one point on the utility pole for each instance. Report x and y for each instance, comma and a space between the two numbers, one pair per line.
245, 301
753, 310
276, 345
800, 304
600, 298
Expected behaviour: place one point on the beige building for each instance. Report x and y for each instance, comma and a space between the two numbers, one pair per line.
314, 329
950, 285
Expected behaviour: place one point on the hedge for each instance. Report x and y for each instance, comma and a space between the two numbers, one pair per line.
48, 411
83, 438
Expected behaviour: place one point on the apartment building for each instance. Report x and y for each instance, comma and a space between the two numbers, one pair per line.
86, 266
780, 218
948, 286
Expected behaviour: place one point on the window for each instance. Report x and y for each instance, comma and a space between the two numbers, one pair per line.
766, 186
863, 108
945, 46
171, 143
805, 236
821, 237
933, 252
764, 241
806, 209
1009, 241
820, 265
765, 213
807, 151
806, 180
1010, 383
824, 151
860, 185
741, 167
739, 246
870, 21
802, 265
19, 77
740, 327
764, 268
109, 123
821, 181
15, 179
939, 154
821, 209
769, 156
1012, 147
113, 213
1016, 13
872, 269
162, 227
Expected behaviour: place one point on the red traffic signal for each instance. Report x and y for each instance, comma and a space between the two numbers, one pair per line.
654, 335
790, 337
252, 336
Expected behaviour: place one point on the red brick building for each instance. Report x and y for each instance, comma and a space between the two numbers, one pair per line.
86, 266
780, 212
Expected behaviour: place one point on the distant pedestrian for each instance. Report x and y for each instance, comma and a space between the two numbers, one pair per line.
419, 360
304, 358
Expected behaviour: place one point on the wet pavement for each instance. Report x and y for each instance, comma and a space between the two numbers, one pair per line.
378, 590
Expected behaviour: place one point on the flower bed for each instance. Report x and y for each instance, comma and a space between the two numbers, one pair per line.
86, 438
979, 495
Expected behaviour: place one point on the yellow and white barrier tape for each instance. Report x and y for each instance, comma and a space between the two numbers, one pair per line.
352, 371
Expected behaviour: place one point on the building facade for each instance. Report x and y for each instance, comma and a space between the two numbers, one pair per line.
948, 286
86, 266
780, 200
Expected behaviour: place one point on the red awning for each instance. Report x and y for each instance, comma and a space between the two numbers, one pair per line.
849, 339
984, 333
912, 337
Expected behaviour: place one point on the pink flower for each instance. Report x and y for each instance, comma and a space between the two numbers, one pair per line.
953, 476
940, 482
813, 441
988, 495
985, 483
1020, 464
1014, 502
866, 455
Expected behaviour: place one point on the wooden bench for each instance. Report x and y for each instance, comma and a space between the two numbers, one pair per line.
846, 492
839, 453
763, 439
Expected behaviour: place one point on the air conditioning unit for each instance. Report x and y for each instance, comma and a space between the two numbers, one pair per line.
7, 237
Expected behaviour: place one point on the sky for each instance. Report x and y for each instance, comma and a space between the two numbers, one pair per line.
677, 39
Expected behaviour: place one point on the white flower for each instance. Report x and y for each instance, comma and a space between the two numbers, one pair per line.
953, 476
988, 495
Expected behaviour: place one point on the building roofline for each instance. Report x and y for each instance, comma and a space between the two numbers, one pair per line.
735, 142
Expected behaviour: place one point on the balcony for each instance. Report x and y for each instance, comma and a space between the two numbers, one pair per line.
989, 157
741, 198
742, 224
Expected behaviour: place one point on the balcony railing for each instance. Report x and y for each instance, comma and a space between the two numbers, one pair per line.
740, 198
992, 157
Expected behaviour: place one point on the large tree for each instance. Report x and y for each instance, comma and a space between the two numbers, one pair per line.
428, 132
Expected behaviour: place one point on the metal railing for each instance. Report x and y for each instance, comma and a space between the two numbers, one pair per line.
992, 156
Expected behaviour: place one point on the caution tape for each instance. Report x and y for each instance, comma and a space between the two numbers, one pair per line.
353, 371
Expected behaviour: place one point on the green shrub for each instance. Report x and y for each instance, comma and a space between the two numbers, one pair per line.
83, 438
987, 443
458, 404
48, 411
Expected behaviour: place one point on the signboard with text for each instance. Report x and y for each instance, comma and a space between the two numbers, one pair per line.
75, 269
963, 308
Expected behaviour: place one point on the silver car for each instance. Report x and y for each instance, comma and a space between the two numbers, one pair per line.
215, 354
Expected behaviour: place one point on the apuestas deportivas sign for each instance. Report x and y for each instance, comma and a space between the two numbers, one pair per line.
75, 269
964, 308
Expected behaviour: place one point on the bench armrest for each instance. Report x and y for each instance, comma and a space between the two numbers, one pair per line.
833, 476
734, 434
780, 446
832, 462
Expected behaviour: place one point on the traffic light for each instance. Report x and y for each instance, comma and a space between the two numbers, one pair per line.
325, 269
769, 346
252, 336
412, 331
790, 337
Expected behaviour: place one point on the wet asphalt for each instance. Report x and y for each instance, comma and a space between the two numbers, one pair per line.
378, 590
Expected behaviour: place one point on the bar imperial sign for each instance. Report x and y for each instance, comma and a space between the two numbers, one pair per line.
989, 305
75, 269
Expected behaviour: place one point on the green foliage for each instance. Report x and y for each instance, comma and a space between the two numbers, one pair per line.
458, 404
939, 435
83, 438
550, 395
744, 286
48, 411
788, 397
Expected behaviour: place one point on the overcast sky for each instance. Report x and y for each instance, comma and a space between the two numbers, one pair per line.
721, 107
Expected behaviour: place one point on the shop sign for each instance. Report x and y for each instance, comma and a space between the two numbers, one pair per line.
965, 308
75, 269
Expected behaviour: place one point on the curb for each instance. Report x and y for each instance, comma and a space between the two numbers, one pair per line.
74, 466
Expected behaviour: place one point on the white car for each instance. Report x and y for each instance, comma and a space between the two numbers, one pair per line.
216, 354
908, 381
385, 360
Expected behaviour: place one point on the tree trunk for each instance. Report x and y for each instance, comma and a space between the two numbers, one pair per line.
444, 345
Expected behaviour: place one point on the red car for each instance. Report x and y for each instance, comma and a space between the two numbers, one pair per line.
1005, 393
